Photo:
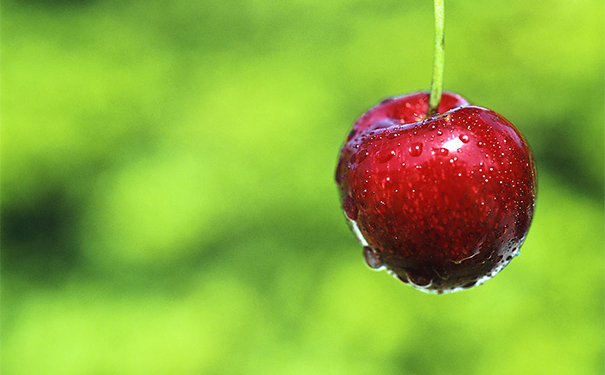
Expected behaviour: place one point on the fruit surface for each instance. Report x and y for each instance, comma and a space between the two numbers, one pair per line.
443, 203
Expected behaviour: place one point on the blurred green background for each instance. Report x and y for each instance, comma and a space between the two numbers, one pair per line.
168, 203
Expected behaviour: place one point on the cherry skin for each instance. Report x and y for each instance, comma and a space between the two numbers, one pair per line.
443, 203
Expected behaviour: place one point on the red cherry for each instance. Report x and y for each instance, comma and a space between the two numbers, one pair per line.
443, 203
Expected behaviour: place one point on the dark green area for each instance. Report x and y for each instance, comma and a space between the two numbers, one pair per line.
168, 204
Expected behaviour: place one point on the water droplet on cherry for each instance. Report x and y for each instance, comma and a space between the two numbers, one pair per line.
415, 149
372, 258
418, 279
383, 156
392, 135
361, 156
381, 207
350, 208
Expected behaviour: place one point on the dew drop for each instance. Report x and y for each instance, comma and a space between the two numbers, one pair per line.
480, 144
372, 258
361, 156
418, 279
350, 208
381, 207
440, 151
464, 138
415, 149
383, 156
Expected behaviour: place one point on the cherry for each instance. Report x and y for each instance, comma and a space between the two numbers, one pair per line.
442, 202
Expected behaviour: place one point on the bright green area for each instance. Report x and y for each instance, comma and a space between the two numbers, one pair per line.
168, 204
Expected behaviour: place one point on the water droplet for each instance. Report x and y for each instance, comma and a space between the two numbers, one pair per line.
383, 156
392, 135
464, 138
381, 207
415, 149
480, 144
439, 132
372, 258
418, 279
350, 208
358, 234
361, 156
440, 151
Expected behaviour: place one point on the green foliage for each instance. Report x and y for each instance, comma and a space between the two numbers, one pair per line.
168, 203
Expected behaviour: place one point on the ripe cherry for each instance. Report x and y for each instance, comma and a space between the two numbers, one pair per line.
443, 203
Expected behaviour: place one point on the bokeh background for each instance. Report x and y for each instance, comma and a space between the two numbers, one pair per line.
168, 203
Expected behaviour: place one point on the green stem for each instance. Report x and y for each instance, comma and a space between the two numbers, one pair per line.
439, 60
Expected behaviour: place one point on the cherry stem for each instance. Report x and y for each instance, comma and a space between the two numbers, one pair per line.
439, 60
